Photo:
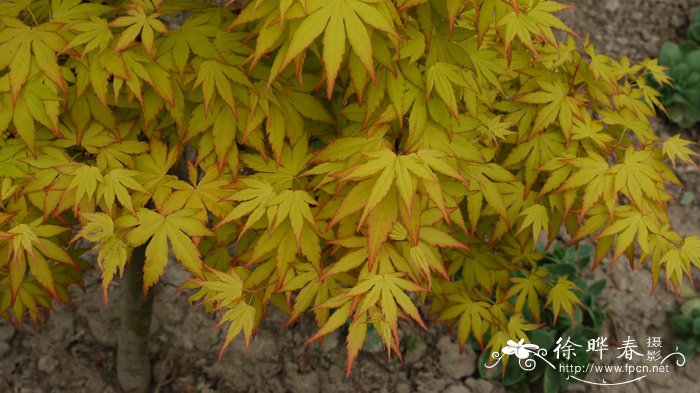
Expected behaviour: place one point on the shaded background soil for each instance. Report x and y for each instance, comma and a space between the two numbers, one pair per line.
75, 350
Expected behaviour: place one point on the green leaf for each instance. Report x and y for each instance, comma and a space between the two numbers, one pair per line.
176, 230
696, 326
681, 324
551, 380
687, 198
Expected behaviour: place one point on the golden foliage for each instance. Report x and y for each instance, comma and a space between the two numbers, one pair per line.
369, 160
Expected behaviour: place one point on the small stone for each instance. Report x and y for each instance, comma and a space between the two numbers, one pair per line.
576, 388
334, 373
457, 389
5, 384
47, 364
175, 275
102, 332
5, 348
426, 382
622, 41
186, 384
373, 343
103, 321
161, 370
330, 342
167, 310
6, 332
416, 354
262, 349
483, 386
403, 387
61, 326
478, 385
612, 5
301, 383
195, 322
94, 384
456, 365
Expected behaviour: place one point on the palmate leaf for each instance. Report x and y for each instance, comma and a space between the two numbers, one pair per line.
216, 76
377, 200
294, 205
387, 292
405, 171
204, 194
284, 174
253, 202
314, 289
153, 170
441, 77
110, 150
593, 173
67, 11
144, 71
138, 22
528, 24
36, 106
223, 289
112, 249
340, 19
242, 319
117, 184
94, 34
536, 152
560, 106
448, 136
513, 329
25, 45
29, 246
676, 149
162, 233
563, 298
32, 298
195, 36
89, 184
591, 130
638, 179
474, 318
628, 224
13, 7
529, 289
537, 217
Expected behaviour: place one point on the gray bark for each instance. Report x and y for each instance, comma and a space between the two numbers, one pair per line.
133, 363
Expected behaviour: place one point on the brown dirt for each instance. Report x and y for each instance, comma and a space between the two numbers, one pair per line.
74, 351
632, 28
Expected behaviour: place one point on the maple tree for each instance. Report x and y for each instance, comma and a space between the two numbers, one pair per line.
357, 160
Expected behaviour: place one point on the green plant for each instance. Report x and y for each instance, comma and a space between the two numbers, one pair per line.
686, 323
585, 324
682, 99
694, 28
356, 160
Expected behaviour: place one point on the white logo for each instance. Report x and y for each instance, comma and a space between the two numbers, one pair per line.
566, 349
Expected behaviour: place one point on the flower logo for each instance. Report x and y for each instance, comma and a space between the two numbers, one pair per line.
519, 349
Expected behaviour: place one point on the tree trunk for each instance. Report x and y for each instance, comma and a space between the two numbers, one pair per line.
133, 363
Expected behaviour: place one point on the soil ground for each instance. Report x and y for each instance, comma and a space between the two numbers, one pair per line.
75, 350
